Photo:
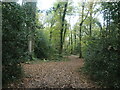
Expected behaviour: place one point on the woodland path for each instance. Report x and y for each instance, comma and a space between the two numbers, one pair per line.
62, 74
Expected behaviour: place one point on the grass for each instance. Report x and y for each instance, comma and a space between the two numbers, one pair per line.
55, 59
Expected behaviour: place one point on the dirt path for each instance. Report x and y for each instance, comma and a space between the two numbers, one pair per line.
55, 75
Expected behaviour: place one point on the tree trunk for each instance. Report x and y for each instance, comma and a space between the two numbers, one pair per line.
61, 31
50, 36
91, 5
31, 7
80, 31
80, 37
71, 43
75, 38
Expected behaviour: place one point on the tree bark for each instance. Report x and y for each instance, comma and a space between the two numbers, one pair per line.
71, 43
80, 30
61, 31
91, 5
75, 39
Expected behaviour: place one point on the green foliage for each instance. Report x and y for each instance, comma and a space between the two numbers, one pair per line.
14, 43
42, 45
100, 50
101, 61
15, 25
102, 53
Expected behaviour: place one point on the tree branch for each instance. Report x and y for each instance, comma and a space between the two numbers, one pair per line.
84, 19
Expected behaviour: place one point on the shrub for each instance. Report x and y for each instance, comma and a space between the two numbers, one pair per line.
42, 46
14, 41
101, 61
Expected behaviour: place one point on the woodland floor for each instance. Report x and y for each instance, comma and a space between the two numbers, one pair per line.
62, 74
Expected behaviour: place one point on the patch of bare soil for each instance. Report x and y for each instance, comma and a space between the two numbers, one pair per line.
62, 74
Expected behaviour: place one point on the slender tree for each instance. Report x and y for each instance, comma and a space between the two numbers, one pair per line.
91, 11
62, 27
83, 18
30, 10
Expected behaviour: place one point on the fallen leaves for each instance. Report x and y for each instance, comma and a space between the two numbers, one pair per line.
55, 75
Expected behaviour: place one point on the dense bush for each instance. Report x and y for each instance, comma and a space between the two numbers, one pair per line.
101, 62
42, 47
17, 26
14, 41
102, 57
